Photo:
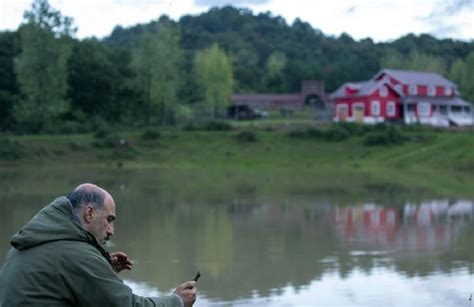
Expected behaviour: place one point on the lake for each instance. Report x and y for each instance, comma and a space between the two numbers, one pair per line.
274, 248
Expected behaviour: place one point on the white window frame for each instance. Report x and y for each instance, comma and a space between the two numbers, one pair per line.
448, 91
392, 104
423, 109
383, 91
413, 89
431, 90
375, 105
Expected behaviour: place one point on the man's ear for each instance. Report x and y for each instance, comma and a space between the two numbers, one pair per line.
88, 213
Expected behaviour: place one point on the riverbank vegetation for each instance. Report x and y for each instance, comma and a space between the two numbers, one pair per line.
330, 159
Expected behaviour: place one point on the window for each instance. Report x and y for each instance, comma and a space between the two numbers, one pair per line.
383, 92
411, 108
424, 109
431, 90
391, 108
375, 108
443, 110
448, 91
456, 109
412, 90
467, 109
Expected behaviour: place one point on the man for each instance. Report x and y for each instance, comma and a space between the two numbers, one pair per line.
57, 258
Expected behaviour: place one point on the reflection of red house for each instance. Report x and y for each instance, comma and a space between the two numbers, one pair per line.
410, 96
428, 226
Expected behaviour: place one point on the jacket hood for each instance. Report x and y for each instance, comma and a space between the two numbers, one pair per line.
54, 222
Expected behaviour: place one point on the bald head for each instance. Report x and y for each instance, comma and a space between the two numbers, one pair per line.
87, 193
95, 209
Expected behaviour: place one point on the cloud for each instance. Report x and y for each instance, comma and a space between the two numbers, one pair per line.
351, 10
447, 17
233, 2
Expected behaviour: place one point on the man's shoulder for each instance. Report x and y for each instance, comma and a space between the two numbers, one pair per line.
71, 248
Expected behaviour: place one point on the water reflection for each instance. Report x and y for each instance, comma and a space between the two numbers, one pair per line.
293, 252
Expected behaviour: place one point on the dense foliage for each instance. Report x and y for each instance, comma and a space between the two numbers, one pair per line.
156, 72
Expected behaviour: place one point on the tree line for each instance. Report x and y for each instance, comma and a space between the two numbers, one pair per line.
171, 72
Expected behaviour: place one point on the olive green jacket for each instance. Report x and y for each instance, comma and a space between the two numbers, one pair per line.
55, 262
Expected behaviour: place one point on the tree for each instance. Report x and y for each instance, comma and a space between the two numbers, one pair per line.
41, 67
213, 73
275, 65
157, 63
8, 85
467, 83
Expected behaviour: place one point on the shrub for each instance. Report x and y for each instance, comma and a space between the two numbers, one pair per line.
10, 149
247, 137
217, 126
111, 141
355, 128
306, 133
384, 137
336, 134
151, 134
297, 134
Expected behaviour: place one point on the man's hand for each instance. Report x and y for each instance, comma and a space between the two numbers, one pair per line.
120, 261
187, 292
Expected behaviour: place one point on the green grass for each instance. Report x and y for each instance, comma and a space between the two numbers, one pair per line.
431, 162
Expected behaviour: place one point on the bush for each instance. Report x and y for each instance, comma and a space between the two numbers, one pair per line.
10, 149
217, 126
336, 134
384, 137
151, 134
308, 133
111, 141
247, 137
355, 128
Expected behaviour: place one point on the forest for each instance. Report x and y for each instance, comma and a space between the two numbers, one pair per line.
168, 72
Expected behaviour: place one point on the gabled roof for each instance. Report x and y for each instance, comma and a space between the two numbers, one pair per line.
364, 88
415, 77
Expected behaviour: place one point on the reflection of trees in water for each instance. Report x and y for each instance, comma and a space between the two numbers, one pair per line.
247, 245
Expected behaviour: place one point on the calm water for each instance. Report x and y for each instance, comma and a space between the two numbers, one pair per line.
272, 250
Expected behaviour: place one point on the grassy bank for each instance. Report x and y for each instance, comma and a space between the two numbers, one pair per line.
290, 159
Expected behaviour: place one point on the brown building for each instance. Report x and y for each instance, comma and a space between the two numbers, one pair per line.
312, 95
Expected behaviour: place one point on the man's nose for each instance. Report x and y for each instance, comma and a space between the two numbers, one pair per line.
110, 231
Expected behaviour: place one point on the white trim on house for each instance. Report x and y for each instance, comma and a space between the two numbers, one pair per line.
423, 109
413, 89
383, 91
391, 108
375, 108
448, 91
431, 90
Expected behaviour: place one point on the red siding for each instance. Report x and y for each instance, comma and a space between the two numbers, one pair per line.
366, 100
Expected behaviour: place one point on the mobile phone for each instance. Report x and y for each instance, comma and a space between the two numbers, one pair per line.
198, 274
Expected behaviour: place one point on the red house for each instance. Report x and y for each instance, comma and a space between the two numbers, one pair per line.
407, 96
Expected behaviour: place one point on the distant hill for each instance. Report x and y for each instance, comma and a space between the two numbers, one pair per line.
251, 39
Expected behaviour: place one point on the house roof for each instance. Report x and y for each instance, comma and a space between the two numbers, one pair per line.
453, 101
415, 77
364, 88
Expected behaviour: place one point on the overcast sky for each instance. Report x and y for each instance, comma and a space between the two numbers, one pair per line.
381, 20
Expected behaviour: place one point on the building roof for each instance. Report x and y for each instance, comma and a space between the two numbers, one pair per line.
453, 101
415, 77
364, 88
